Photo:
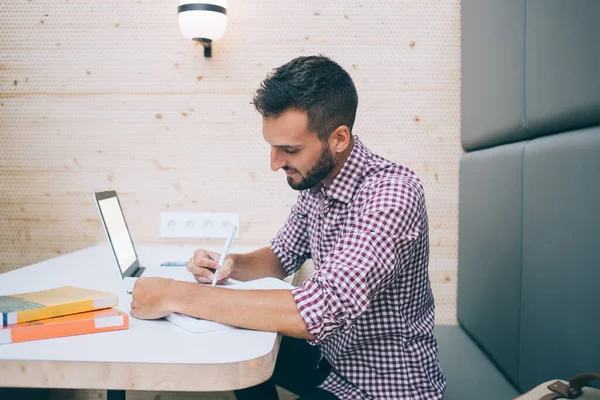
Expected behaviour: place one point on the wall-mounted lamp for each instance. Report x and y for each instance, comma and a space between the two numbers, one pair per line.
203, 22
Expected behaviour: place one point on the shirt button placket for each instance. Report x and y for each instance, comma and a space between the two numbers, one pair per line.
321, 220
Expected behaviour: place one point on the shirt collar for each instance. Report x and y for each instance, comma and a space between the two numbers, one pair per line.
350, 177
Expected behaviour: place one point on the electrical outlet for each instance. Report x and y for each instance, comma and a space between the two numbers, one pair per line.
198, 224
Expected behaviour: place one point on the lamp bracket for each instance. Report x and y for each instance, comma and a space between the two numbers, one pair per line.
207, 44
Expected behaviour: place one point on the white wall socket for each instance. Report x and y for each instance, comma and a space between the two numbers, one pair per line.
198, 224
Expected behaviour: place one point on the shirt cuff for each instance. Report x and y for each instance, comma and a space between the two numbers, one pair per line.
321, 311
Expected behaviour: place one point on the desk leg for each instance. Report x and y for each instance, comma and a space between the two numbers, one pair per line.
115, 394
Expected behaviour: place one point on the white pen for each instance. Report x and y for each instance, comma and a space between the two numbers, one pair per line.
224, 253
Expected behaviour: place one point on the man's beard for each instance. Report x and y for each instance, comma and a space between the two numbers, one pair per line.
321, 169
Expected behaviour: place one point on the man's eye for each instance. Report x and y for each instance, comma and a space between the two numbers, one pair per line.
288, 151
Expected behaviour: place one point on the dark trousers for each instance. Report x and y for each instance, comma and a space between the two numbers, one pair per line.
297, 370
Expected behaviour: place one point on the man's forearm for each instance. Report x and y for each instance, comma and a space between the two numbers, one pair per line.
264, 310
257, 264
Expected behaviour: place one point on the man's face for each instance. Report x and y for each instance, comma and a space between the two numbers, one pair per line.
305, 159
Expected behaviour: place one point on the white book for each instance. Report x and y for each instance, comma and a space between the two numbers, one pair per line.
197, 325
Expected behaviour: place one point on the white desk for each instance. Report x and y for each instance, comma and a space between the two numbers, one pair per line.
150, 355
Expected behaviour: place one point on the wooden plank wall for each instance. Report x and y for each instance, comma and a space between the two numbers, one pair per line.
108, 95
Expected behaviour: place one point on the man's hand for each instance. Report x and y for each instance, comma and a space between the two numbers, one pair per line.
205, 263
151, 298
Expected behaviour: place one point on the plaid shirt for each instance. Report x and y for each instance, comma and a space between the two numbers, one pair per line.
369, 301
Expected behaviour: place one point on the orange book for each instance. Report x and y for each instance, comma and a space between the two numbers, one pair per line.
106, 320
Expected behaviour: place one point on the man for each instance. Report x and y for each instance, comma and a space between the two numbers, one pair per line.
361, 326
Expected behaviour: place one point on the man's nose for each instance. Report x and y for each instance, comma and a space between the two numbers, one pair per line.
276, 161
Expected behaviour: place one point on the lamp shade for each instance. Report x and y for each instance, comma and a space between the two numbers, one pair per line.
205, 21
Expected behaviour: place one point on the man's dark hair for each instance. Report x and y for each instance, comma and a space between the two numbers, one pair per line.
315, 85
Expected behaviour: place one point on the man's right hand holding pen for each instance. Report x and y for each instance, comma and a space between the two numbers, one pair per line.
205, 264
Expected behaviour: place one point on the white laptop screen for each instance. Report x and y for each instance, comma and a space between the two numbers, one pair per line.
117, 232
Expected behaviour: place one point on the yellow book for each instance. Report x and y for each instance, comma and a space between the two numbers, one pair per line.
65, 300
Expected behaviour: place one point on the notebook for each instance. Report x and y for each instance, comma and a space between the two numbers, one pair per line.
197, 325
64, 300
105, 320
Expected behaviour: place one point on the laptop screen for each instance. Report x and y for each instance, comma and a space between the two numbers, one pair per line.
116, 229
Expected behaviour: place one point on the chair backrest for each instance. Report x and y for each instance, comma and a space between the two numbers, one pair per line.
529, 208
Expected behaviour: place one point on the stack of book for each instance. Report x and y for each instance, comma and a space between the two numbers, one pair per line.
64, 311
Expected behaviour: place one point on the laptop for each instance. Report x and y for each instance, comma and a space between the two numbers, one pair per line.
122, 246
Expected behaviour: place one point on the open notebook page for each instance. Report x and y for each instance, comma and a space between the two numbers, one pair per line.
196, 325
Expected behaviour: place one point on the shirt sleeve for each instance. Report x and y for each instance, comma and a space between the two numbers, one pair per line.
365, 260
291, 244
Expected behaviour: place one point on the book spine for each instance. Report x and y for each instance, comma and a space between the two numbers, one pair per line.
58, 310
15, 334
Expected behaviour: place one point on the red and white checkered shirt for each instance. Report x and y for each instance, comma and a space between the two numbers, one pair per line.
369, 301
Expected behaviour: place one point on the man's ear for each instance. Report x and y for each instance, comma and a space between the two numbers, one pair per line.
340, 139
